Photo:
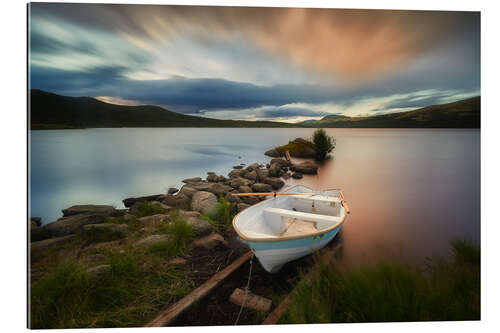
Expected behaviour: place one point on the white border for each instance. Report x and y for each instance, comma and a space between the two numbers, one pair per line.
13, 135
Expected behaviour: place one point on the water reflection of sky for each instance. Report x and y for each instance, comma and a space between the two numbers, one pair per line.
410, 191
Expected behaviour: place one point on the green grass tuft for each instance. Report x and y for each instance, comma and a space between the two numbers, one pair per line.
446, 290
145, 208
222, 219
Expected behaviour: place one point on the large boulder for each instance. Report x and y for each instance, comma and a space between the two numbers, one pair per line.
232, 198
153, 239
152, 220
210, 242
236, 173
37, 221
172, 190
82, 209
306, 167
242, 206
204, 202
273, 153
192, 180
245, 189
275, 182
237, 182
260, 187
46, 243
251, 200
187, 191
66, 225
105, 227
251, 175
274, 170
130, 201
211, 177
200, 226
262, 174
282, 162
178, 200
253, 166
219, 189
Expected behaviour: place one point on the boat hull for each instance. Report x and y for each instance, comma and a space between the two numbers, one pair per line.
273, 255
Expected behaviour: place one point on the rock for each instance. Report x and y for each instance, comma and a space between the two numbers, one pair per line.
152, 220
249, 300
179, 200
66, 225
237, 182
212, 177
103, 245
33, 224
297, 175
128, 217
200, 226
251, 200
260, 187
232, 198
187, 191
130, 201
221, 179
252, 167
282, 162
238, 167
245, 189
273, 153
236, 173
286, 176
44, 244
161, 204
172, 190
82, 209
242, 206
36, 220
204, 202
274, 170
210, 242
189, 213
252, 175
306, 167
219, 189
178, 261
281, 173
192, 180
98, 271
262, 174
153, 239
105, 227
276, 183
95, 258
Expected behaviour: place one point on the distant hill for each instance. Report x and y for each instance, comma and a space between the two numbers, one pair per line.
51, 111
461, 114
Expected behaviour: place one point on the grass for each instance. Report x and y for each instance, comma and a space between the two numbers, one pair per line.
181, 232
221, 220
145, 208
294, 148
136, 288
447, 289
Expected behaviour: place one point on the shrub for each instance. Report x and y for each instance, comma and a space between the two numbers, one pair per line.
323, 143
145, 208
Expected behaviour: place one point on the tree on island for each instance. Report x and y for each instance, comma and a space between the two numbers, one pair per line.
323, 143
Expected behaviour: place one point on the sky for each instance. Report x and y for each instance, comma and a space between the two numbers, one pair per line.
251, 63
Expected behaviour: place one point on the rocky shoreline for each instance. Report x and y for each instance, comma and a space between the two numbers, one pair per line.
197, 195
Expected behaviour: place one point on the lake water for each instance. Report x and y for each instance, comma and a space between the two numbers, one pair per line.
411, 191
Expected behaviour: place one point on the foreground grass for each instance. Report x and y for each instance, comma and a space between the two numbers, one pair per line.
445, 290
139, 283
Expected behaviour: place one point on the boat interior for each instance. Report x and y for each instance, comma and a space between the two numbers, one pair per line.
292, 215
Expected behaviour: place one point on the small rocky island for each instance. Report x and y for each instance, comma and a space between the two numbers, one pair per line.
161, 238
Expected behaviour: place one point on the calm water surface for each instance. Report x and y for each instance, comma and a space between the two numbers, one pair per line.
411, 191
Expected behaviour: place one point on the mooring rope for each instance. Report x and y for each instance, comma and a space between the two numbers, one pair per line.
247, 288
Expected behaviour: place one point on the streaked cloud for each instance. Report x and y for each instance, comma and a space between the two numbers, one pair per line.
248, 63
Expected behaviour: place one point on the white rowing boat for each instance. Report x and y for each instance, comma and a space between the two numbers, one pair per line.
287, 227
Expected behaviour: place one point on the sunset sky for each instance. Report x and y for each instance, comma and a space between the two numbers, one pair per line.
282, 64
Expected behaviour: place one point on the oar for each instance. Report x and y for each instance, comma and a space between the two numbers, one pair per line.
271, 193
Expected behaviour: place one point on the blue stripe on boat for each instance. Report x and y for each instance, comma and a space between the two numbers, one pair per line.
274, 245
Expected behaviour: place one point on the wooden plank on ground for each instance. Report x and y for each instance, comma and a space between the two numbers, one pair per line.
249, 300
182, 305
